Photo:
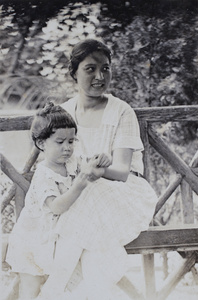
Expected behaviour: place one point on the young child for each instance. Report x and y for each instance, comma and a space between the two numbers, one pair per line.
56, 185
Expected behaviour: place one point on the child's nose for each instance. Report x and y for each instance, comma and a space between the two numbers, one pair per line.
67, 146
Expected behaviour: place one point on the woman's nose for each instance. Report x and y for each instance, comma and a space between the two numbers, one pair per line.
99, 75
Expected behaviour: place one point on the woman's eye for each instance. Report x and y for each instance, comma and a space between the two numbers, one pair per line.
106, 69
90, 69
71, 142
59, 142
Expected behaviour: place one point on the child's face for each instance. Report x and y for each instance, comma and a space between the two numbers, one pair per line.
59, 146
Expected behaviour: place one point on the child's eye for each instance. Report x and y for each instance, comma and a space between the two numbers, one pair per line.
59, 142
71, 142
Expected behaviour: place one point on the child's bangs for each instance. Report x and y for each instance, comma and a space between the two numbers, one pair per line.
62, 120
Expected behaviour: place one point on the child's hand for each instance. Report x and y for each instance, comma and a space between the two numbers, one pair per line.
97, 165
96, 173
82, 180
87, 171
103, 160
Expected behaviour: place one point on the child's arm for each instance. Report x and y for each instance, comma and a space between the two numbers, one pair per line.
62, 203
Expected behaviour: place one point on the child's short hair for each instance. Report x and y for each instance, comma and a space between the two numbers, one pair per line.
48, 119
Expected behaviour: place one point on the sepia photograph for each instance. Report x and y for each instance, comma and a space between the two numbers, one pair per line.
99, 103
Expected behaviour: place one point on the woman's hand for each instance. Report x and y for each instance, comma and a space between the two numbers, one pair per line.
103, 160
98, 164
94, 168
96, 173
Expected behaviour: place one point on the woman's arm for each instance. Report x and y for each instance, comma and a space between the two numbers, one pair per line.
121, 163
117, 168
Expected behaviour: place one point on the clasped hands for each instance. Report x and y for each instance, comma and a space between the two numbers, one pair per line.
95, 167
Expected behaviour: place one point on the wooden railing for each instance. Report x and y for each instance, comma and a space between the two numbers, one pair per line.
146, 117
183, 240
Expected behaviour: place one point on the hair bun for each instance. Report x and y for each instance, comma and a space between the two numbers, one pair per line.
47, 108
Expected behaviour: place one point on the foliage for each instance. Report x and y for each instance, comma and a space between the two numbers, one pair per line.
155, 56
154, 47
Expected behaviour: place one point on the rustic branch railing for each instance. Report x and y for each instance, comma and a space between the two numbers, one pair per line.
183, 240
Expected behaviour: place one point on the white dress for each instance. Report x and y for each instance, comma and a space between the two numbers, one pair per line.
110, 214
32, 241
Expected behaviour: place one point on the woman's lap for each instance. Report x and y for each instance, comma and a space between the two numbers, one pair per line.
108, 212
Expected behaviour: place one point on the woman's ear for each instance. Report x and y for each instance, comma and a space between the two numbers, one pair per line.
40, 145
75, 77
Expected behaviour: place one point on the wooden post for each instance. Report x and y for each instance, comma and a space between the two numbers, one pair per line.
174, 184
168, 192
31, 159
176, 276
146, 156
8, 198
195, 275
187, 203
12, 291
165, 264
187, 196
9, 170
19, 201
13, 174
149, 275
147, 259
129, 289
174, 160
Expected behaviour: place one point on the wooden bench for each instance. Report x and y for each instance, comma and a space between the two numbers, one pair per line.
156, 239
184, 240
164, 239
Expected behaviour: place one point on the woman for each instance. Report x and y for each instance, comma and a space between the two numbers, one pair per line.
109, 125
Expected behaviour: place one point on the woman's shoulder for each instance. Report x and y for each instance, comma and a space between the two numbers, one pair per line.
116, 108
116, 102
69, 106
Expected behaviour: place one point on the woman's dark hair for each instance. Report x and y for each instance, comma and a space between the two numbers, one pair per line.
82, 50
48, 119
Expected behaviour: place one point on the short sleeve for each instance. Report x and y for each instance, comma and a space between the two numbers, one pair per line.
44, 186
128, 133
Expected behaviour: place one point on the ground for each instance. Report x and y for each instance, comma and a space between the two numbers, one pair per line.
185, 290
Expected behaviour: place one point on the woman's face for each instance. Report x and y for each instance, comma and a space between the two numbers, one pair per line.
94, 74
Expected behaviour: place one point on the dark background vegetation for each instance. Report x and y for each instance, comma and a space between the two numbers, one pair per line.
155, 59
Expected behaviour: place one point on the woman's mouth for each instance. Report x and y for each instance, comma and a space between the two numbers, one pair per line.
97, 85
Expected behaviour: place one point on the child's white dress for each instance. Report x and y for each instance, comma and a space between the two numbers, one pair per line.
32, 241
110, 214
